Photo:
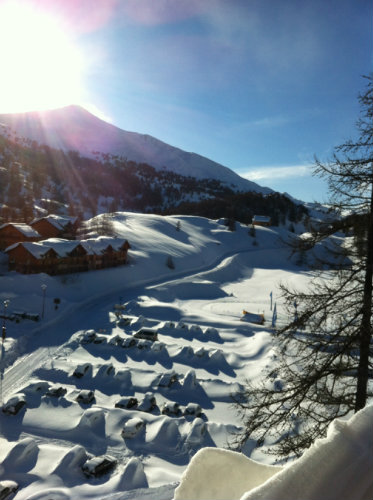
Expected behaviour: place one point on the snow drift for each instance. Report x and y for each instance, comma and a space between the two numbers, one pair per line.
338, 466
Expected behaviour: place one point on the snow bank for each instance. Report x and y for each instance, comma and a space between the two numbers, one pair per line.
338, 466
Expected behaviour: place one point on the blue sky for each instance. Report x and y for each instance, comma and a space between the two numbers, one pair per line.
260, 86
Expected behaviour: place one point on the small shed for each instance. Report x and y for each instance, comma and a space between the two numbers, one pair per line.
262, 220
256, 318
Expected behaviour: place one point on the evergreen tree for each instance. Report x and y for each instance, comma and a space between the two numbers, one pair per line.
323, 356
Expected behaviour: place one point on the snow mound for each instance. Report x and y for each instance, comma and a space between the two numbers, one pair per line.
163, 435
93, 418
22, 456
71, 461
133, 476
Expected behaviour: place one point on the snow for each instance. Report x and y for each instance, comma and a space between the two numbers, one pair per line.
203, 346
338, 466
25, 229
58, 221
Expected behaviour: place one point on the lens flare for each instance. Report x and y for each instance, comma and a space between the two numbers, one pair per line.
41, 67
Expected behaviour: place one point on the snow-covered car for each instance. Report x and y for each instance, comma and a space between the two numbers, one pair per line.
193, 409
97, 466
100, 339
14, 404
36, 386
116, 340
195, 329
132, 427
182, 326
56, 391
85, 396
127, 403
148, 403
144, 344
169, 324
7, 488
82, 370
200, 352
171, 408
212, 332
196, 433
106, 370
146, 334
167, 379
87, 337
158, 346
128, 342
124, 321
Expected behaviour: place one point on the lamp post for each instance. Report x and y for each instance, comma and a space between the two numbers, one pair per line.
5, 303
3, 335
43, 287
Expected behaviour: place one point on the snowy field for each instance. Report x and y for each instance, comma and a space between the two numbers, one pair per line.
182, 382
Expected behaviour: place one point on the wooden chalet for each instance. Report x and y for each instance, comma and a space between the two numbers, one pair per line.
261, 220
55, 226
27, 257
14, 232
61, 256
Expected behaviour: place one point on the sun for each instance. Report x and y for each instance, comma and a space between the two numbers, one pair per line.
40, 66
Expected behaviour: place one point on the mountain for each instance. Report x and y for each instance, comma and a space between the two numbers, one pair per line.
74, 128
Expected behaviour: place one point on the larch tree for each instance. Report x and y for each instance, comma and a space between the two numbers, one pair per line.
323, 361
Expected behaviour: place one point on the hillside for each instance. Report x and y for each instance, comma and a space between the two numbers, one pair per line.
36, 179
75, 129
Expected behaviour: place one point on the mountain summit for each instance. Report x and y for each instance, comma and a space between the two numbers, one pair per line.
74, 128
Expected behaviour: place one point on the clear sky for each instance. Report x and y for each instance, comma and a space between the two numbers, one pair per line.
260, 86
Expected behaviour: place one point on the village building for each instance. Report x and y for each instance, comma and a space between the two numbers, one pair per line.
261, 220
14, 232
61, 256
56, 226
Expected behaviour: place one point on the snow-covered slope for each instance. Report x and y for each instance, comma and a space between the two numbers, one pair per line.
74, 128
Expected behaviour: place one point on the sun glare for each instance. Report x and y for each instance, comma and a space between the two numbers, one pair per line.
40, 67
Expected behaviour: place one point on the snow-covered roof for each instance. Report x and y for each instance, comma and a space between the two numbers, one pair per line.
23, 228
34, 248
63, 247
261, 218
58, 221
100, 244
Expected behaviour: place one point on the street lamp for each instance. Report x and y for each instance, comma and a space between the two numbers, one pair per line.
43, 287
5, 303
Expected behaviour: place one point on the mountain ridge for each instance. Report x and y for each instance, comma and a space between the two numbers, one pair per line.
74, 128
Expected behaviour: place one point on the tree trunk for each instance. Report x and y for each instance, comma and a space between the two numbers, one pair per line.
365, 334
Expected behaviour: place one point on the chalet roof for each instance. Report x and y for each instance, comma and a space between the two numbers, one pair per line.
58, 221
63, 247
100, 244
23, 228
34, 248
